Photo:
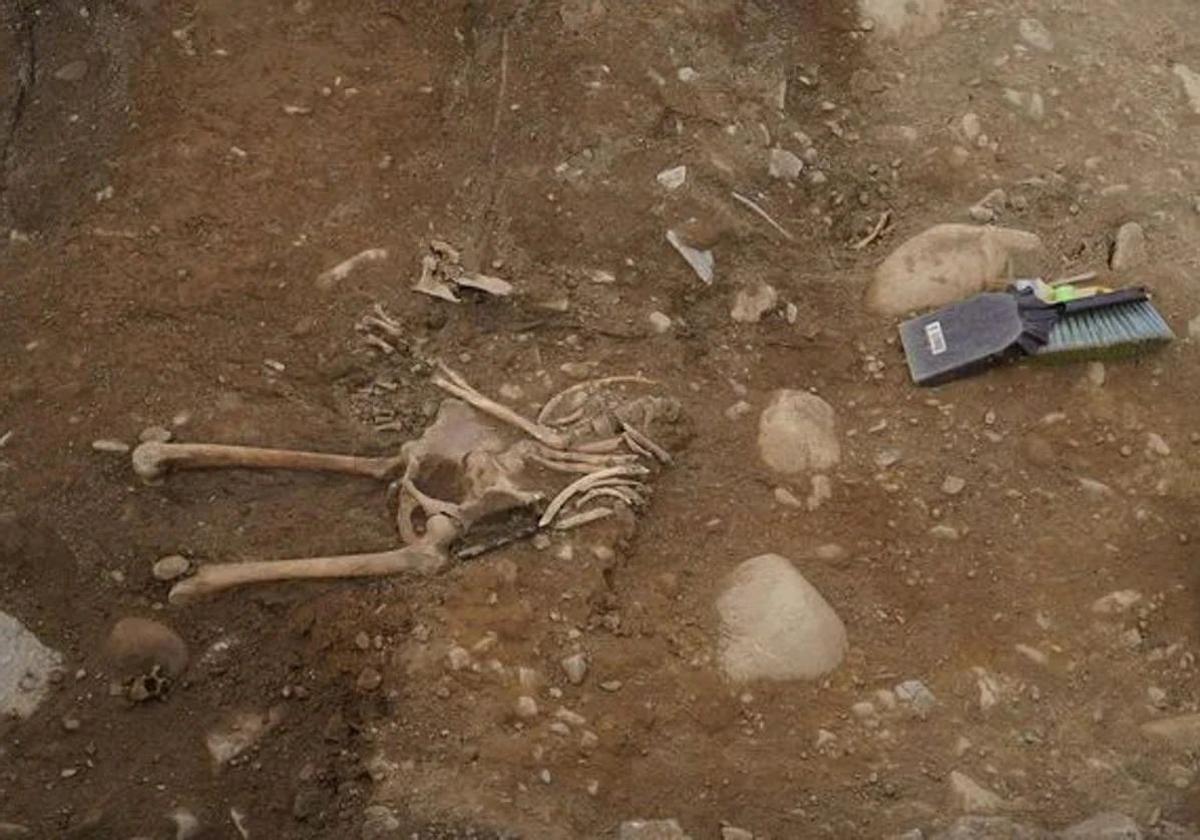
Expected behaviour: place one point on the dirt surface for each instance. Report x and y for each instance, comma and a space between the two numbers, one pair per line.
167, 207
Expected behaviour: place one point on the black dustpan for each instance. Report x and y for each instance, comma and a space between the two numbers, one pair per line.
957, 340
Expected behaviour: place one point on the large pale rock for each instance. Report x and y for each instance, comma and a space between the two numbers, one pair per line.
25, 667
904, 19
775, 625
797, 432
948, 263
1129, 250
1106, 826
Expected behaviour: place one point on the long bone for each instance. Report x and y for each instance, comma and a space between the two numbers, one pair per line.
425, 557
153, 460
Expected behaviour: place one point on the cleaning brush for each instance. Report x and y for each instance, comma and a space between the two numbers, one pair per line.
1119, 323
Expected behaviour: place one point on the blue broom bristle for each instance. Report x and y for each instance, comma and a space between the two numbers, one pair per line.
1124, 325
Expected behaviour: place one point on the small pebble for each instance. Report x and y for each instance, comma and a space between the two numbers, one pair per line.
106, 445
155, 434
953, 485
368, 679
526, 707
170, 567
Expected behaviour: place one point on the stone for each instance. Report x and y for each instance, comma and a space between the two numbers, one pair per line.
953, 485
651, 830
1157, 445
73, 71
971, 126
13, 831
1030, 102
797, 432
1129, 249
1096, 374
170, 567
786, 498
990, 828
944, 532
1095, 489
701, 261
575, 667
368, 680
238, 732
26, 667
1115, 603
775, 625
903, 20
916, 696
458, 658
1182, 732
1191, 85
380, 823
738, 410
1106, 826
729, 832
973, 798
1034, 33
750, 305
784, 165
821, 492
947, 263
526, 707
659, 322
673, 178
136, 646
186, 824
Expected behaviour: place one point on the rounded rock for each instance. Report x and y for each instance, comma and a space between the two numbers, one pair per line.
170, 567
136, 646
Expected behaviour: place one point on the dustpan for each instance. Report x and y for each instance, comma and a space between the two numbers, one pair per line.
962, 338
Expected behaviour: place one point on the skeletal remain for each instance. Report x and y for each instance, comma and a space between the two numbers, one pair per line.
442, 273
328, 279
463, 475
583, 389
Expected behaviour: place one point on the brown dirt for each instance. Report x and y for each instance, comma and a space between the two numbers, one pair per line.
529, 134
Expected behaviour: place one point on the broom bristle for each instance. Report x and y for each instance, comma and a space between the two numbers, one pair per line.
1120, 330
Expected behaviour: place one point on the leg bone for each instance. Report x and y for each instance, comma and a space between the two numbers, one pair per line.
153, 460
425, 557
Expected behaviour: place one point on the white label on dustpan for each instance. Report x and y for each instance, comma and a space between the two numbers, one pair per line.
937, 340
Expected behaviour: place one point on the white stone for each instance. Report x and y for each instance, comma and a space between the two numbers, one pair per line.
25, 668
237, 733
458, 658
784, 165
971, 126
526, 707
972, 797
1115, 603
953, 485
917, 696
787, 498
575, 667
1157, 445
822, 491
775, 625
1129, 250
659, 322
729, 832
1191, 85
1035, 33
750, 305
904, 19
1032, 654
948, 263
673, 178
797, 432
1183, 732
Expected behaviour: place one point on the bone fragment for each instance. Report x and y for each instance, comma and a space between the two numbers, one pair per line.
586, 387
584, 518
584, 484
643, 440
328, 279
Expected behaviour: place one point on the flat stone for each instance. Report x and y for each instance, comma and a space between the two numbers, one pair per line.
526, 707
25, 668
730, 832
136, 646
1106, 826
1129, 249
970, 796
651, 830
787, 498
797, 432
659, 322
238, 732
775, 625
905, 20
170, 567
1156, 444
673, 178
1191, 85
948, 263
1182, 732
73, 71
784, 165
1035, 33
750, 305
105, 445
953, 485
917, 696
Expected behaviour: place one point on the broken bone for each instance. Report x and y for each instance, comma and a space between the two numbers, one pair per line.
153, 460
328, 279
442, 274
